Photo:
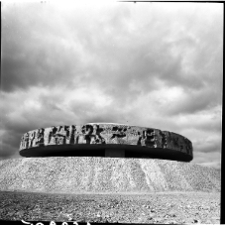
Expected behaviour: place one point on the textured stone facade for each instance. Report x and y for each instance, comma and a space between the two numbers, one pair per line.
106, 134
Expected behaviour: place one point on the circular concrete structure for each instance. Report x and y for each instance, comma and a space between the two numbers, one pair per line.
106, 139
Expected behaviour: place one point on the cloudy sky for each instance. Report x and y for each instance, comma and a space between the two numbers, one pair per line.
156, 65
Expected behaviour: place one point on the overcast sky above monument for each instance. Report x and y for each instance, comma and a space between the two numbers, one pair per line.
154, 65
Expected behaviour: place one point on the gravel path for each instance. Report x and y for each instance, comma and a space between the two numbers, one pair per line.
159, 207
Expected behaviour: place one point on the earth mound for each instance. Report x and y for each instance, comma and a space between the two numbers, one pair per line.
105, 175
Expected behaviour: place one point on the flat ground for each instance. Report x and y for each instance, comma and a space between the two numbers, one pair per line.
158, 207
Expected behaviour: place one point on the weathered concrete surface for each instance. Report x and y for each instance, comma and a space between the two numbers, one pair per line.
100, 136
97, 175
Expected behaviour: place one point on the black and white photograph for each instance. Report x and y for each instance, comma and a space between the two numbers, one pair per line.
111, 112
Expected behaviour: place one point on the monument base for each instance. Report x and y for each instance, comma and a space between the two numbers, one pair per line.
114, 153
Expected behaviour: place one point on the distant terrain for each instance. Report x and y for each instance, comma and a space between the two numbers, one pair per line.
108, 190
95, 175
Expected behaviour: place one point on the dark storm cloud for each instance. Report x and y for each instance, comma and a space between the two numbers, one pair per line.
33, 50
114, 57
195, 101
9, 143
158, 65
212, 159
207, 147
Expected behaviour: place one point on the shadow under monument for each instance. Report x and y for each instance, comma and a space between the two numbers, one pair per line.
126, 151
